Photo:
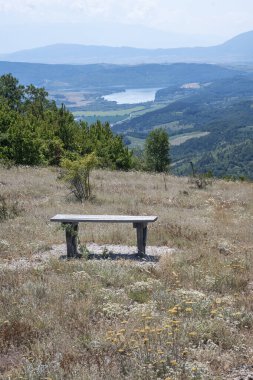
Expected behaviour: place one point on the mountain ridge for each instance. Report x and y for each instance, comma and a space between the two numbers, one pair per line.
92, 76
235, 50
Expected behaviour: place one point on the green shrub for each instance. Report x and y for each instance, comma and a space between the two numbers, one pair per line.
8, 209
77, 175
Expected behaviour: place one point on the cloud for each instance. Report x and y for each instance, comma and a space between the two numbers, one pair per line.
128, 10
142, 10
22, 6
91, 7
186, 16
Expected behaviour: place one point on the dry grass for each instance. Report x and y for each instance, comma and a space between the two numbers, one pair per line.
189, 316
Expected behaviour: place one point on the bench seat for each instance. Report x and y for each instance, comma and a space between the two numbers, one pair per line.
72, 218
140, 222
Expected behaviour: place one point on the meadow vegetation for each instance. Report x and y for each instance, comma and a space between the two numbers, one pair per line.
187, 316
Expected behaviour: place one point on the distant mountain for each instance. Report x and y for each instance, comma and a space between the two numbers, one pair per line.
236, 50
88, 33
106, 76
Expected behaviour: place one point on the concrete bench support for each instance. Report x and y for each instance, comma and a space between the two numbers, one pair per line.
141, 229
71, 239
71, 226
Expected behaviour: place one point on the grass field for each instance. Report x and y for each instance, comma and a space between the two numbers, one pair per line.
174, 140
119, 112
187, 316
112, 116
174, 126
180, 139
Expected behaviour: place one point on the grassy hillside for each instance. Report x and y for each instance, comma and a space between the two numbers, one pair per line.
187, 316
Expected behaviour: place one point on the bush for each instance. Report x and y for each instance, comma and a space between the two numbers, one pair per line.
8, 209
77, 175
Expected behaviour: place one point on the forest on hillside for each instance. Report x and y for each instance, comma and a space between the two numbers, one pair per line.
34, 131
216, 119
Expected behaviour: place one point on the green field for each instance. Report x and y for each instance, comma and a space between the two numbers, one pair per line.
137, 142
149, 109
120, 112
174, 126
180, 139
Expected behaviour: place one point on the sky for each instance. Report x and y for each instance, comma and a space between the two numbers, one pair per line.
26, 24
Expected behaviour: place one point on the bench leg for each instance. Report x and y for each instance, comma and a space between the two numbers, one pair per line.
71, 239
141, 229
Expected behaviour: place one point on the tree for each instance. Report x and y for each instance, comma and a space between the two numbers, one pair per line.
67, 129
25, 143
108, 147
34, 131
157, 150
12, 91
36, 101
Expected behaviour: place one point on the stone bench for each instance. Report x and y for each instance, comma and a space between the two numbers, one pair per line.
71, 225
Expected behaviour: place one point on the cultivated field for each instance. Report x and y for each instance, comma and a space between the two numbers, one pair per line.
188, 315
120, 112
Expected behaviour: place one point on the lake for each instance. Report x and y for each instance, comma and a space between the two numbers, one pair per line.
133, 96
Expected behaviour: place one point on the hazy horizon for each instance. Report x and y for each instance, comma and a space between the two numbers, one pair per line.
136, 23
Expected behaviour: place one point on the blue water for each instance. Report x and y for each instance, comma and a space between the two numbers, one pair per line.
133, 96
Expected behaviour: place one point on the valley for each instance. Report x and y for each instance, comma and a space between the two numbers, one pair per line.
207, 120
205, 108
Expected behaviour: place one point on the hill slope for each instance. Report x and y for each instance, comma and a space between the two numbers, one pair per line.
214, 124
101, 76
